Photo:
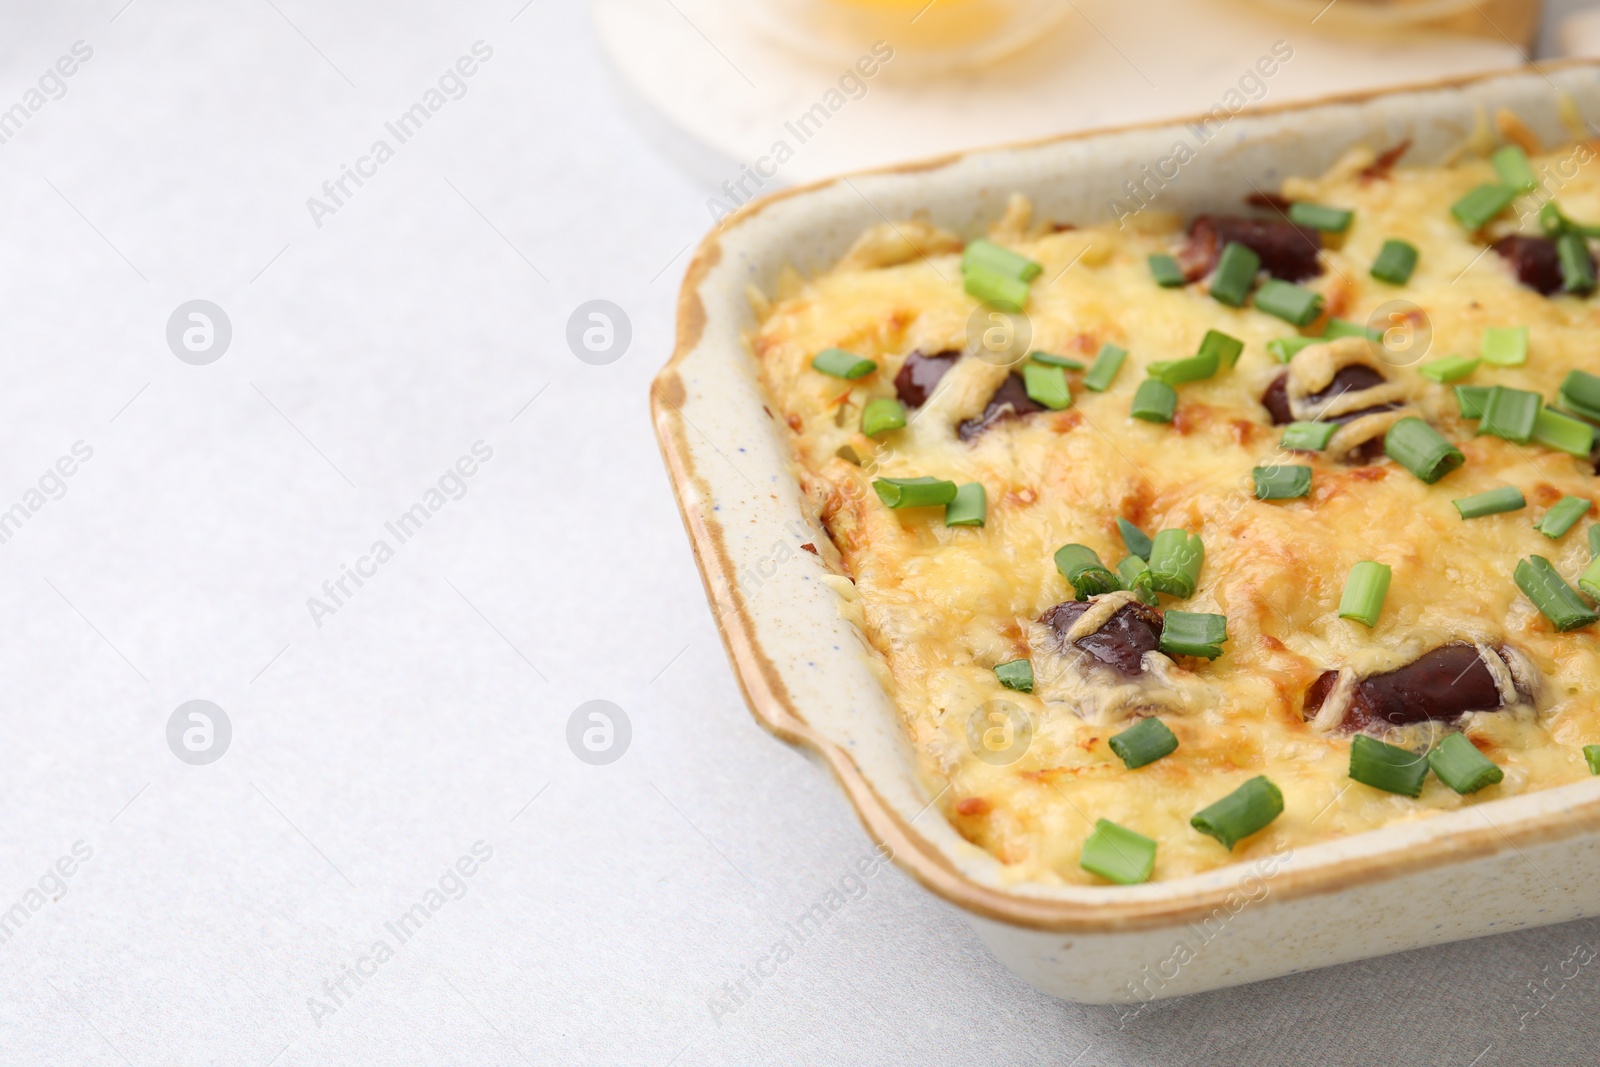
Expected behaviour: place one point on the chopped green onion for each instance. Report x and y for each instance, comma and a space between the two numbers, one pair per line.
1589, 580
1286, 482
987, 254
1047, 385
1563, 516
1179, 371
842, 364
882, 414
1053, 360
1320, 216
1580, 391
1511, 163
1494, 502
1082, 569
1387, 767
1554, 598
1285, 348
914, 492
1591, 756
970, 506
1105, 367
1505, 346
1193, 633
1396, 260
1167, 273
1018, 675
1117, 854
1136, 540
1175, 561
1144, 742
1577, 269
1235, 274
1135, 575
1338, 328
1364, 591
1594, 540
1226, 349
1554, 223
1421, 449
1448, 369
1308, 436
1471, 398
991, 287
1292, 303
1460, 765
1154, 401
1510, 413
1477, 208
1240, 813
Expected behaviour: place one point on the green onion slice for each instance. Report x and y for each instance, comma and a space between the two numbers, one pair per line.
1175, 561
1224, 347
1580, 391
1193, 633
970, 506
1235, 275
1117, 854
1554, 598
1018, 675
1135, 575
992, 287
1180, 371
1284, 349
842, 364
1396, 260
1510, 413
1167, 273
1082, 569
1448, 369
1136, 540
1047, 385
1511, 163
1154, 401
1591, 756
1284, 482
1320, 216
1505, 346
1460, 765
1144, 742
1105, 367
990, 256
882, 414
1053, 360
1589, 580
1471, 398
1364, 591
1241, 813
914, 492
1421, 449
1563, 516
1563, 433
1479, 207
1577, 269
1308, 436
1292, 303
1594, 541
1554, 223
1387, 767
1494, 502
1338, 328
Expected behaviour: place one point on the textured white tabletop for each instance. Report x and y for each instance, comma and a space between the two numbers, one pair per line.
397, 857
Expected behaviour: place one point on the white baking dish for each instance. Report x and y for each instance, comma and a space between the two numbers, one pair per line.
1523, 861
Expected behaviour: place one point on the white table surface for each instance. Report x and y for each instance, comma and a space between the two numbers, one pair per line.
371, 752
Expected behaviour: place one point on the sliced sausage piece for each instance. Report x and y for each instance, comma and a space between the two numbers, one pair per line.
920, 375
1121, 642
1440, 686
1008, 402
1287, 251
1534, 261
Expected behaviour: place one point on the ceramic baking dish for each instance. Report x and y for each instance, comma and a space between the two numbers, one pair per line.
805, 671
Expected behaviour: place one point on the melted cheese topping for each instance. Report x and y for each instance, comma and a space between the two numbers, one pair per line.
942, 606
